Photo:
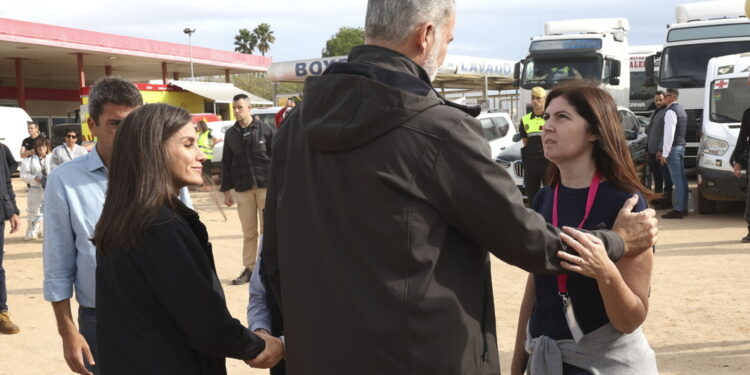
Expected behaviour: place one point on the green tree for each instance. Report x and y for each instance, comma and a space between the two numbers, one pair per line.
343, 41
264, 37
245, 42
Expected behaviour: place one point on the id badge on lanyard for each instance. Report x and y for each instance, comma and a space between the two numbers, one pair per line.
562, 279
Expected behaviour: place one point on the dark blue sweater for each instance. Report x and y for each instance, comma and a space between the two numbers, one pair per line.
547, 317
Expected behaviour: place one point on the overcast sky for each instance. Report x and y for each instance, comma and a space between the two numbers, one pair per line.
486, 28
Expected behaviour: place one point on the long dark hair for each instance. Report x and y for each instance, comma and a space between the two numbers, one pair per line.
140, 178
611, 154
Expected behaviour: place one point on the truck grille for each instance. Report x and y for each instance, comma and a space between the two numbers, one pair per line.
518, 168
695, 120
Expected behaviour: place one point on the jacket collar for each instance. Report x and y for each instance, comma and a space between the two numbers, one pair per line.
394, 60
94, 161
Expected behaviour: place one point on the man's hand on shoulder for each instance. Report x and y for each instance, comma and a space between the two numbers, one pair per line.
638, 230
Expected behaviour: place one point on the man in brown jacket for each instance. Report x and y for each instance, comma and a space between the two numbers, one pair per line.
382, 203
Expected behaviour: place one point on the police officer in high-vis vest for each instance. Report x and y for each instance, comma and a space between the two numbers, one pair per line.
205, 144
534, 163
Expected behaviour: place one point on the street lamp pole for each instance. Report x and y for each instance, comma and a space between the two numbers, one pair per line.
190, 33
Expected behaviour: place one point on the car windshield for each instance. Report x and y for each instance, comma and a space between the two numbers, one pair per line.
685, 66
729, 100
638, 88
549, 72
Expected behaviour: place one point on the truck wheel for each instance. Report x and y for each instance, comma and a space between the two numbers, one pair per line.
705, 206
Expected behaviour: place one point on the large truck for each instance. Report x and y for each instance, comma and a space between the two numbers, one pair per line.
641, 92
726, 98
586, 49
702, 31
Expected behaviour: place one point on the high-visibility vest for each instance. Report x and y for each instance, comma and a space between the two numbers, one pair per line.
532, 124
205, 145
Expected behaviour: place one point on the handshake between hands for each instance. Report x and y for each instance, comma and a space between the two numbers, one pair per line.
271, 355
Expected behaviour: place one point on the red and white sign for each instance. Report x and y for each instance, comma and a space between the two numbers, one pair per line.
721, 84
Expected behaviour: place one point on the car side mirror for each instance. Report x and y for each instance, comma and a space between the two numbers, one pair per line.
516, 137
517, 75
650, 80
614, 81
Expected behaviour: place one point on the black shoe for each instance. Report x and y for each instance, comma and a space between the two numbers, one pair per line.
243, 278
747, 238
674, 214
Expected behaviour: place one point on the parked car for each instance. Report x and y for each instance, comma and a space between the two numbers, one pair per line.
219, 128
635, 136
498, 130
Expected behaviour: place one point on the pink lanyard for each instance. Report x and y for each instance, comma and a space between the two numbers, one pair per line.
562, 279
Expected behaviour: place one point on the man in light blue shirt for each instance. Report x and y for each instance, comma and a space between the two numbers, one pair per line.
74, 198
259, 314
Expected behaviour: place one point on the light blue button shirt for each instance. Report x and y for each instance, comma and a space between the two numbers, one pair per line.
73, 202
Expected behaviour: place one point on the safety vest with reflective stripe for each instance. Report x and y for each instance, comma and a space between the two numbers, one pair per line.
532, 125
205, 145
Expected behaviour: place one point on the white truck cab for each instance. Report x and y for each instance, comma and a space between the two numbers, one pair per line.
586, 49
703, 30
727, 96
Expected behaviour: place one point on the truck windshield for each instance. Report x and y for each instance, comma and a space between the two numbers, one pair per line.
685, 66
549, 72
638, 89
729, 100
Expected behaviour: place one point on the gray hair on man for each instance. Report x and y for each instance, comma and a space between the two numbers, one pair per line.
390, 22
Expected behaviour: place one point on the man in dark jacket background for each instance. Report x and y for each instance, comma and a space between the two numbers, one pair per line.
382, 200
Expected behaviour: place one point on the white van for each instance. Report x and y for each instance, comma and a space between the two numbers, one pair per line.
13, 129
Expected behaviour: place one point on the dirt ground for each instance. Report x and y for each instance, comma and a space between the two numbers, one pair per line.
698, 321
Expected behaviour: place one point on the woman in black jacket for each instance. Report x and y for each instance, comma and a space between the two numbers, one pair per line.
160, 306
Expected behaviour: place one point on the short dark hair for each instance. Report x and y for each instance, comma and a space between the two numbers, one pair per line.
71, 131
673, 91
113, 90
659, 92
240, 96
32, 123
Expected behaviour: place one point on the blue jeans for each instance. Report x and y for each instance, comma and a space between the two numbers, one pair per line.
676, 166
87, 327
3, 288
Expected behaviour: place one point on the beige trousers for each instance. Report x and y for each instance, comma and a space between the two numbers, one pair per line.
250, 206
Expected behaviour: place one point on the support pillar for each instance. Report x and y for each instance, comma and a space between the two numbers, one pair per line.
107, 70
164, 73
176, 76
20, 86
226, 76
81, 73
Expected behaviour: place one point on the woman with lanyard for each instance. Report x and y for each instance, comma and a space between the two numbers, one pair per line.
587, 321
66, 151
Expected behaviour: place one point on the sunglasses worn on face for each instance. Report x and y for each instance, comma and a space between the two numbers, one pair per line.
71, 136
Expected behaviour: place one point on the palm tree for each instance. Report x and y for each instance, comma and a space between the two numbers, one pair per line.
264, 37
245, 42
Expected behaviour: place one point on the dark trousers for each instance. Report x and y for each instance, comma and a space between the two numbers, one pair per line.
668, 185
534, 169
3, 288
87, 327
654, 168
747, 198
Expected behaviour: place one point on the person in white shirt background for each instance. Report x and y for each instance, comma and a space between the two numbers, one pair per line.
34, 171
66, 151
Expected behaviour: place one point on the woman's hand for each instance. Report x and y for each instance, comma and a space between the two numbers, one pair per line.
592, 259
